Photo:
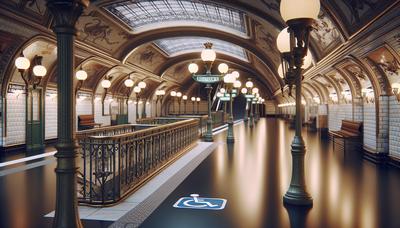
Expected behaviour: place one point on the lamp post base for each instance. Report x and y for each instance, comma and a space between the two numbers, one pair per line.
297, 193
230, 137
208, 137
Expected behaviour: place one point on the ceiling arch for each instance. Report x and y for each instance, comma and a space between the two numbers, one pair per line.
232, 62
151, 36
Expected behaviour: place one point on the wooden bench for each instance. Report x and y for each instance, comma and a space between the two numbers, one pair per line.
349, 131
86, 122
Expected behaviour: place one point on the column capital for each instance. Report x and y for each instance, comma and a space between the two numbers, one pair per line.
66, 13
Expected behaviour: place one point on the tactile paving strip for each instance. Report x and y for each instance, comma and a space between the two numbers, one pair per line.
177, 173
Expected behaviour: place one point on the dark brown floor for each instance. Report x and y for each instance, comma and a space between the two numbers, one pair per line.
252, 175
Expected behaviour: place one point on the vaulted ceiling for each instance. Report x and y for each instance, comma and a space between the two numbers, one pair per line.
155, 40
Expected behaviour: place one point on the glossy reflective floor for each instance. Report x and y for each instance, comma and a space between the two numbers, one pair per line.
252, 175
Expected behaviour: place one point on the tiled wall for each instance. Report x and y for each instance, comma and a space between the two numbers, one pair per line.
50, 115
382, 140
369, 126
98, 115
394, 127
1, 120
83, 107
270, 108
337, 113
15, 119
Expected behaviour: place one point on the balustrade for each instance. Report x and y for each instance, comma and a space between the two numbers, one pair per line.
113, 166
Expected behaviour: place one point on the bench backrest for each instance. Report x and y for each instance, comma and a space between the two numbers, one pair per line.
352, 126
85, 119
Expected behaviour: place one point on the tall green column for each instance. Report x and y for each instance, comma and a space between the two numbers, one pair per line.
230, 137
65, 14
209, 136
144, 115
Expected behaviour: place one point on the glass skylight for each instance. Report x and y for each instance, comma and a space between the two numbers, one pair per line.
142, 15
181, 45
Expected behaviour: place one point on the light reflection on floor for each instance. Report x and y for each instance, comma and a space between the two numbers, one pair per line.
254, 174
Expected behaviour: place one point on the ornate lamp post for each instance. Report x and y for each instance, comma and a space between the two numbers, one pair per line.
249, 96
246, 118
208, 56
173, 95
193, 99
229, 80
32, 76
293, 44
179, 97
129, 84
254, 91
160, 94
137, 90
184, 97
142, 85
198, 104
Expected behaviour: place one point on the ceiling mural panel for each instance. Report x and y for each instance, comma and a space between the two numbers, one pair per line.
356, 13
267, 74
9, 43
181, 45
326, 34
145, 14
34, 10
179, 72
147, 57
265, 36
99, 32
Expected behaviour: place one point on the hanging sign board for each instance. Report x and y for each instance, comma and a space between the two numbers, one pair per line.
207, 79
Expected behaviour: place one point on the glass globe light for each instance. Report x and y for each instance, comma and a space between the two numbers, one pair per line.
249, 84
22, 63
396, 85
193, 68
81, 75
173, 93
280, 71
219, 94
208, 54
222, 90
184, 97
106, 83
254, 90
237, 84
283, 41
229, 78
142, 85
179, 94
236, 74
296, 9
198, 99
193, 99
128, 83
136, 89
39, 70
223, 68
244, 90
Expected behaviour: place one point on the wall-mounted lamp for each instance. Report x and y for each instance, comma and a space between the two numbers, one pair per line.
81, 76
31, 74
396, 90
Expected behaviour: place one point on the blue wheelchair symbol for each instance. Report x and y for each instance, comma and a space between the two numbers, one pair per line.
195, 202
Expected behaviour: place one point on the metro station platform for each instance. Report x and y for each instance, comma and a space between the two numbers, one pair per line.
252, 175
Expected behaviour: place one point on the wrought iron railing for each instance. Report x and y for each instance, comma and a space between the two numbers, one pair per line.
114, 166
